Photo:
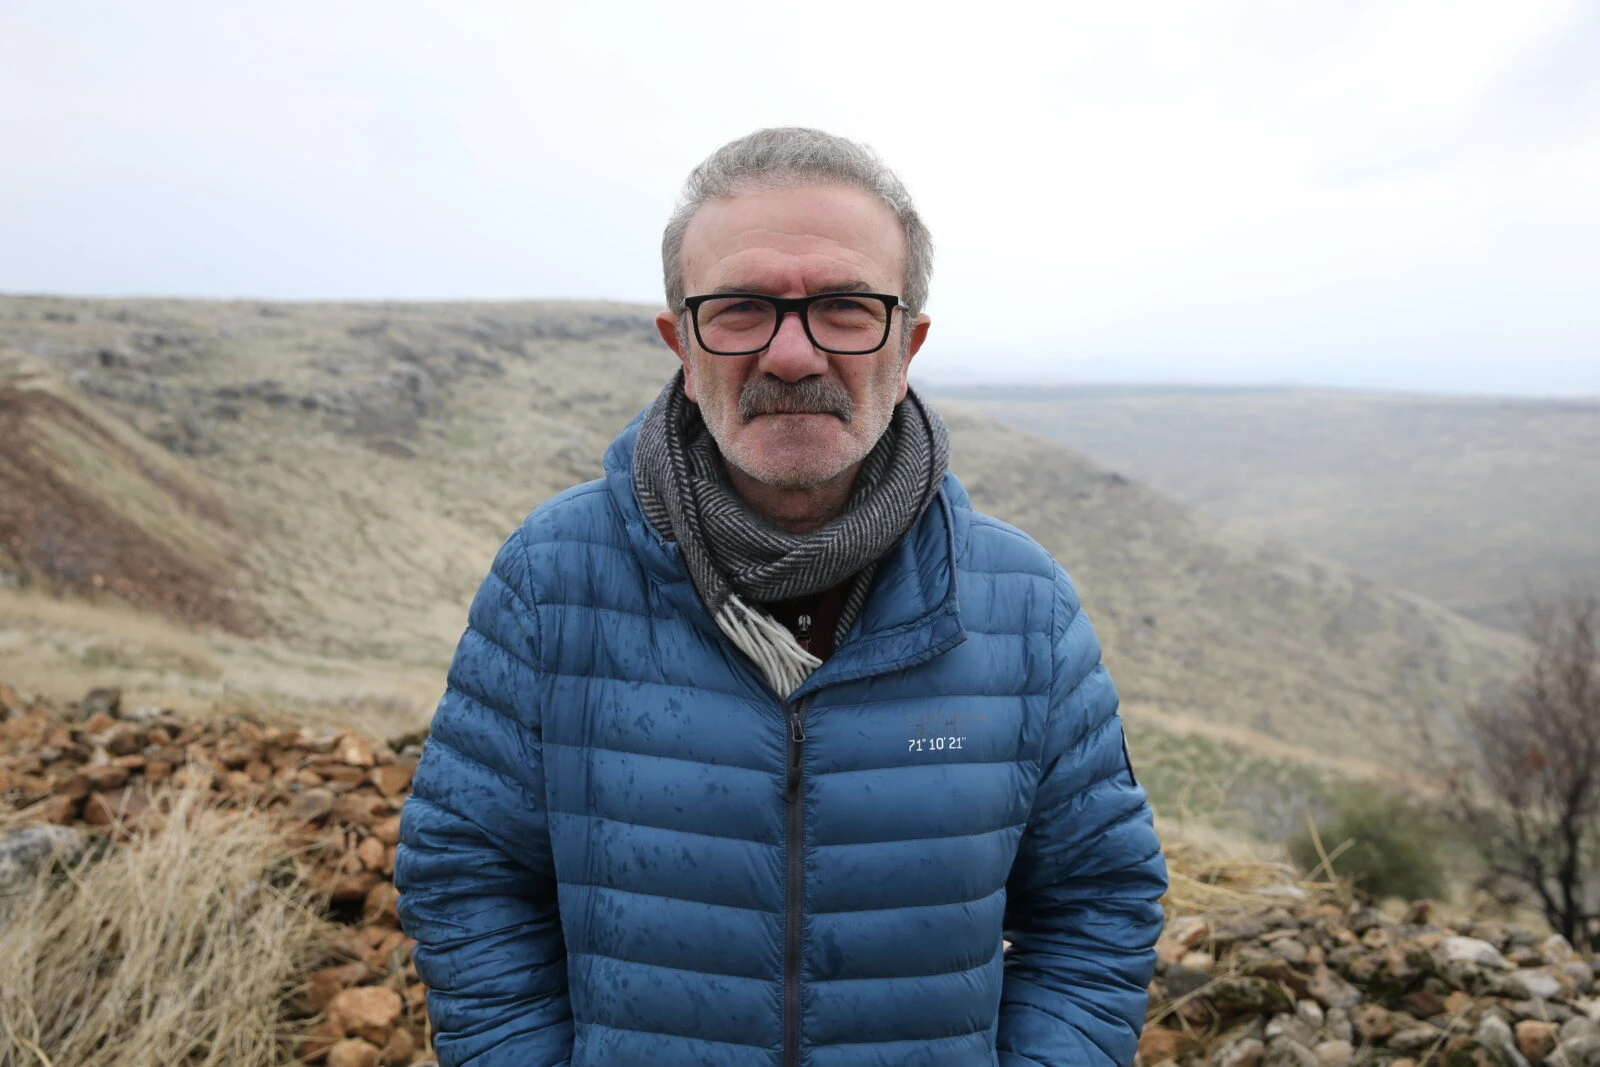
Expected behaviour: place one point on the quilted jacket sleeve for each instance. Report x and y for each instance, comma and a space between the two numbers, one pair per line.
1083, 907
474, 868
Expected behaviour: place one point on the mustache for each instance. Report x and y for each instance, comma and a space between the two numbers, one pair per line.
770, 395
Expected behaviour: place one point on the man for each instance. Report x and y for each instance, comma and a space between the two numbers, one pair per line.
759, 749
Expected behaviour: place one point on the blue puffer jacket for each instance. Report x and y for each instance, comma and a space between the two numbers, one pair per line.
622, 849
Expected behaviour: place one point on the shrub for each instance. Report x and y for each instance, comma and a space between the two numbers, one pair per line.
1392, 848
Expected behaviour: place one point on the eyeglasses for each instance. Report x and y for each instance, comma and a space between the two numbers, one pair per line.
742, 324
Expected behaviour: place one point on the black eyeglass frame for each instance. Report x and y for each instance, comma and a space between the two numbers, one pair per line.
800, 305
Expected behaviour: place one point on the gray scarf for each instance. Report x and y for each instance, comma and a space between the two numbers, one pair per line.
739, 560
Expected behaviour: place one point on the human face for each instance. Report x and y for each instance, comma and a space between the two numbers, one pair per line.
795, 242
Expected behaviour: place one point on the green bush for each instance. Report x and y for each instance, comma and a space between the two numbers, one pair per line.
1393, 850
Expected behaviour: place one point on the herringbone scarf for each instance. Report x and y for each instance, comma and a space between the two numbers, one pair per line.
739, 560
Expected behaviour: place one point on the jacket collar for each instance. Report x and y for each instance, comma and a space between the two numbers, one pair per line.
911, 615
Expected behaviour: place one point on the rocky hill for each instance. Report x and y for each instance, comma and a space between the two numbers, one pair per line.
368, 458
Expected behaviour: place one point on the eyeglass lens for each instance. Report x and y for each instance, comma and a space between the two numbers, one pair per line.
844, 324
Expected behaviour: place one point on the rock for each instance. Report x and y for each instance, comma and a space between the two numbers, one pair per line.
1532, 985
355, 751
1289, 949
329, 982
1331, 991
1181, 980
57, 810
1311, 1012
27, 852
1199, 961
1535, 1039
1247, 1052
1422, 1003
1373, 1023
360, 808
1495, 1035
1475, 951
321, 740
1249, 996
1237, 926
315, 1045
371, 852
126, 806
1335, 1053
1549, 1011
366, 1011
1579, 1026
1582, 976
1582, 1051
1286, 1053
105, 702
353, 887
379, 905
1418, 1038
399, 1050
1338, 1025
105, 777
353, 1052
1292, 1027
387, 830
1158, 1045
125, 739
1360, 920
1277, 970
1556, 949
394, 779
311, 805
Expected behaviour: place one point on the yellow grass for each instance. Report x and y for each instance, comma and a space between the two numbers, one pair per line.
1205, 874
176, 949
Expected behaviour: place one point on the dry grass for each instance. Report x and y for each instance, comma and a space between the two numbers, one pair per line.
1201, 878
178, 948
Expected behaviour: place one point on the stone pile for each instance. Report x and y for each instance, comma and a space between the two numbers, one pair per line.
1307, 984
95, 771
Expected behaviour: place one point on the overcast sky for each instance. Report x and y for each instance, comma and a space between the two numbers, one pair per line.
1370, 193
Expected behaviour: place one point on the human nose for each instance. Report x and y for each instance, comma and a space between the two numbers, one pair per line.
791, 355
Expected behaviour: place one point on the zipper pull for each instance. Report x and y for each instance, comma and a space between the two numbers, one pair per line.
803, 631
797, 740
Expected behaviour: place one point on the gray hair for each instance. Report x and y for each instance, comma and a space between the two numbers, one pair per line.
791, 156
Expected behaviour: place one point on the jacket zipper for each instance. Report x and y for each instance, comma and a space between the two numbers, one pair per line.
795, 882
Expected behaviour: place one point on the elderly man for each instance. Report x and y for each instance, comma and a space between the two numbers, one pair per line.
760, 749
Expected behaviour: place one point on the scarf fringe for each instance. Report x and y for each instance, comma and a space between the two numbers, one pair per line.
768, 643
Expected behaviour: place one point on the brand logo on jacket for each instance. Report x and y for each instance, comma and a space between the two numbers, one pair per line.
941, 731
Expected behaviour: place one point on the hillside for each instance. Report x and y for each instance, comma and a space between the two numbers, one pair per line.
87, 504
372, 456
1470, 502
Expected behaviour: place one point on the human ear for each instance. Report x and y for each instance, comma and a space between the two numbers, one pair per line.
919, 334
669, 326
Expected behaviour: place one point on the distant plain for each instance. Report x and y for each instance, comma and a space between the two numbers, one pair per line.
1473, 502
